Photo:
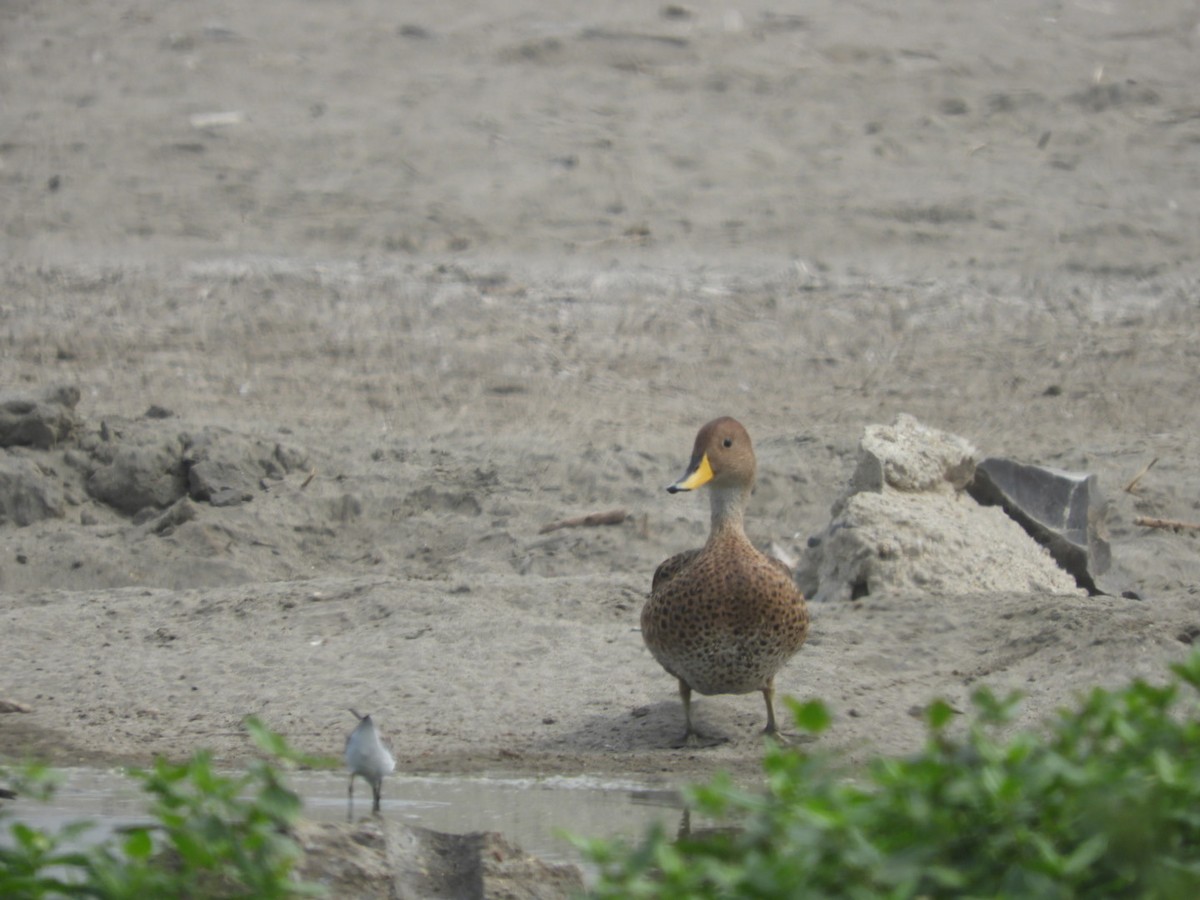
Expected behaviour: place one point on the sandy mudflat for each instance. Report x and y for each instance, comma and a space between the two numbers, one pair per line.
473, 269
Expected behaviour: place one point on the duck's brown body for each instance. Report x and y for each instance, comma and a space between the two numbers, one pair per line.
723, 619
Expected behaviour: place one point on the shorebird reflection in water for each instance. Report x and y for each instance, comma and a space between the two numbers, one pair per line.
367, 756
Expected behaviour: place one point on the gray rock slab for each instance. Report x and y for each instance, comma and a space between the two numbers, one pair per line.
1063, 511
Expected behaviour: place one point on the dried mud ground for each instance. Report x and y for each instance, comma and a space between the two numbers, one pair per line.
485, 269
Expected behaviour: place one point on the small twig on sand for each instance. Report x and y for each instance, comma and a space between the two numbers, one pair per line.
612, 517
307, 481
1138, 477
1172, 524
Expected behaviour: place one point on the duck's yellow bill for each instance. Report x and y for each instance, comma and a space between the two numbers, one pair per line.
698, 474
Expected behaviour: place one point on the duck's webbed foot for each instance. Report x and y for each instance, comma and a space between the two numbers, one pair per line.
772, 730
693, 739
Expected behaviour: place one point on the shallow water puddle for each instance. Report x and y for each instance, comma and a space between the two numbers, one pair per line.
531, 812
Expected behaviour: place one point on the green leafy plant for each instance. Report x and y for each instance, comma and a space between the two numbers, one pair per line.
32, 861
1106, 804
214, 835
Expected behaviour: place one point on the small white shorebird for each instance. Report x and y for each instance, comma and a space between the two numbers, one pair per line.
366, 756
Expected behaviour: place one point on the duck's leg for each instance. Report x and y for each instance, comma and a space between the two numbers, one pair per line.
772, 730
685, 695
691, 737
350, 800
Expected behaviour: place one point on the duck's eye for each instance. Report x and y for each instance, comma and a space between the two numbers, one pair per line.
728, 442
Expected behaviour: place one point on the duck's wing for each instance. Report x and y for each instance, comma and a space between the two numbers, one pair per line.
669, 568
780, 565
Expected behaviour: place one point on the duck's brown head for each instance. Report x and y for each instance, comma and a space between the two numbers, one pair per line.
722, 457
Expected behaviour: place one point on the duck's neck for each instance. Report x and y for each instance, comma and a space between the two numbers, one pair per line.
728, 510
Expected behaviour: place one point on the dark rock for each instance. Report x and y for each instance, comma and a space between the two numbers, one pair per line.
40, 422
1063, 511
27, 494
225, 469
137, 471
136, 465
215, 481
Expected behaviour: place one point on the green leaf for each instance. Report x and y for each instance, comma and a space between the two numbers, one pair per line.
279, 803
139, 844
812, 716
938, 714
1085, 855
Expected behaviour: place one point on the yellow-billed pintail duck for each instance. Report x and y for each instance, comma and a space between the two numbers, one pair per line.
724, 618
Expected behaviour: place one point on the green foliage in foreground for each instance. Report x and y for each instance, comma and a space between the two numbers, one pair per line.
1106, 805
214, 835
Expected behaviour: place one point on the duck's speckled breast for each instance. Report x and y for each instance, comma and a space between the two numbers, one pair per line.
724, 618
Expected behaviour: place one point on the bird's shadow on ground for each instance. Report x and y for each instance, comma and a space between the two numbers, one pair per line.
660, 727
